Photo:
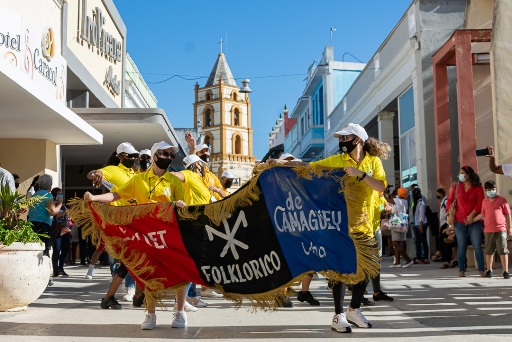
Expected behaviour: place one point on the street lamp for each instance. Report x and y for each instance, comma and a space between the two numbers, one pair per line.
245, 86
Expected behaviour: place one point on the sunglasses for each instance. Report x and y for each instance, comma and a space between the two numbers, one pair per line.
166, 154
130, 156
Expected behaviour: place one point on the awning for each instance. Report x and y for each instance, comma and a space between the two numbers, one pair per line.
140, 126
27, 111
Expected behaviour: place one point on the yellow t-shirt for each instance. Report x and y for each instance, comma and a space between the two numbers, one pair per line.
146, 187
210, 179
118, 176
372, 166
194, 189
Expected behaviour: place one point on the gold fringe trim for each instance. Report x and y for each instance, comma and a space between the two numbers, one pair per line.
368, 265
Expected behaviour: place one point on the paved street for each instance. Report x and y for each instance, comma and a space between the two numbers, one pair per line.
429, 303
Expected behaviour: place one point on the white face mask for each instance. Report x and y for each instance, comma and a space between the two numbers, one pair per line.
491, 193
462, 178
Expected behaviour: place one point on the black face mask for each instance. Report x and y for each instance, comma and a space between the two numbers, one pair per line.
438, 197
163, 163
205, 157
16, 185
144, 164
128, 163
228, 184
347, 146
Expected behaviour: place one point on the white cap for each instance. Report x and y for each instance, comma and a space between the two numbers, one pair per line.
228, 174
285, 156
352, 128
126, 147
146, 152
202, 147
162, 145
191, 159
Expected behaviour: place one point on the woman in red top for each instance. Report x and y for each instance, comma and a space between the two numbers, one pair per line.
468, 201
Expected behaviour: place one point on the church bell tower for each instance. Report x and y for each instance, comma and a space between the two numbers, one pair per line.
223, 116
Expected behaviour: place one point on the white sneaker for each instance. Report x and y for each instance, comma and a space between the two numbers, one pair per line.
340, 324
356, 317
149, 323
188, 307
408, 264
179, 320
395, 265
197, 302
130, 292
88, 276
208, 292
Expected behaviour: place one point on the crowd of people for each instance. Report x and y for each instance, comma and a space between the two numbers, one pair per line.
468, 213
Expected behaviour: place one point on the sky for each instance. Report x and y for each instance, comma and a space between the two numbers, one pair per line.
271, 42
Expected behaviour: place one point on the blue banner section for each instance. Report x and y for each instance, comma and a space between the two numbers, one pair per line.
310, 221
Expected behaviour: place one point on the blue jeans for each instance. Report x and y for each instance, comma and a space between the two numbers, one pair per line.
474, 231
61, 248
129, 281
112, 264
420, 242
191, 290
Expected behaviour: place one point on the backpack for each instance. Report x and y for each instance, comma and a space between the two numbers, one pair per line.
433, 221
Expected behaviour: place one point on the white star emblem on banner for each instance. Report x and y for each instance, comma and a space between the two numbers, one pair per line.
229, 236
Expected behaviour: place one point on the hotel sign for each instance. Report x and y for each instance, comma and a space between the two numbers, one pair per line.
92, 32
32, 52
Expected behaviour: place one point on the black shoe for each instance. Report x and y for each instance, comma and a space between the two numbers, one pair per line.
284, 302
55, 274
307, 297
111, 303
63, 274
138, 301
488, 274
367, 302
382, 296
506, 275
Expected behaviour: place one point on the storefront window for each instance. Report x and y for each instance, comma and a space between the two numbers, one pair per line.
409, 173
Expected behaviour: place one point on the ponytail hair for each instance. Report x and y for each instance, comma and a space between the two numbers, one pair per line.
113, 159
377, 148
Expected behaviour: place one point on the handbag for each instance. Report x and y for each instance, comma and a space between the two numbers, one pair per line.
384, 227
450, 217
399, 222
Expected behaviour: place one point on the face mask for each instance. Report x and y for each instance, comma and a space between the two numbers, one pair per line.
491, 193
228, 184
462, 178
347, 146
128, 163
205, 157
144, 164
16, 185
163, 163
438, 197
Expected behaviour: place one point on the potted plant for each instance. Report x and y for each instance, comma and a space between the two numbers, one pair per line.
25, 271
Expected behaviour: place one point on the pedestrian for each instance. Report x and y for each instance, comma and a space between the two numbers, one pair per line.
61, 236
360, 159
118, 171
496, 212
399, 238
466, 198
157, 185
419, 209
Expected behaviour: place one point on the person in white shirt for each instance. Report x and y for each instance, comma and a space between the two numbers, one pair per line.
504, 169
399, 245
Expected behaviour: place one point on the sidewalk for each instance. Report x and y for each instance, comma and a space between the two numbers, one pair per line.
429, 303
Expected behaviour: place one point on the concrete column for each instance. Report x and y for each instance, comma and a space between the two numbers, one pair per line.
501, 76
386, 134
